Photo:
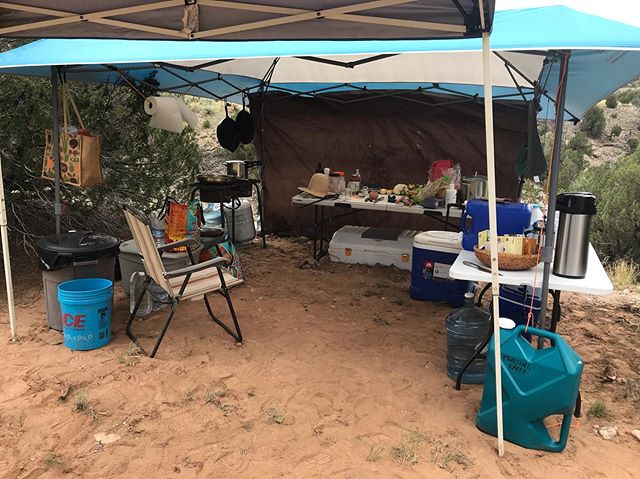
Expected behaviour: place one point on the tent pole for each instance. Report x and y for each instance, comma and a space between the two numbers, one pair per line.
550, 233
55, 138
4, 231
493, 231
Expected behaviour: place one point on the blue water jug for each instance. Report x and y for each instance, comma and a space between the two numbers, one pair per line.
513, 218
536, 383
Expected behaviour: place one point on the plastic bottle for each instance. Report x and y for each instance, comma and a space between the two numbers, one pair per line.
451, 194
466, 328
355, 182
136, 285
157, 228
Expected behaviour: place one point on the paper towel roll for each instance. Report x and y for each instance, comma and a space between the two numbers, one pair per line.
165, 113
188, 116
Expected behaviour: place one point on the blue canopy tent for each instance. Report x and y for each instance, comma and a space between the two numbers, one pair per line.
372, 42
605, 56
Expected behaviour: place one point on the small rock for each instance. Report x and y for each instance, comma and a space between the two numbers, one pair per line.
308, 263
624, 381
104, 438
636, 433
608, 432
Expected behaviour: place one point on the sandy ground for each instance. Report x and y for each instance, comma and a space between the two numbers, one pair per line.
341, 375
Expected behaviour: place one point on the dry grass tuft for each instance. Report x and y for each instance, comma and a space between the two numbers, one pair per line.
624, 274
407, 451
275, 415
82, 404
598, 409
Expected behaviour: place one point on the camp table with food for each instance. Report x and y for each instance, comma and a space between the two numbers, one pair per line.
343, 113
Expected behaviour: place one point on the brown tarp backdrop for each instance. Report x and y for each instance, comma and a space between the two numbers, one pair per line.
390, 139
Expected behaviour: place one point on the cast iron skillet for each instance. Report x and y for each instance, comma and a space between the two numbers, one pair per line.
216, 179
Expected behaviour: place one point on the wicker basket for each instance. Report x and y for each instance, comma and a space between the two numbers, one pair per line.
508, 261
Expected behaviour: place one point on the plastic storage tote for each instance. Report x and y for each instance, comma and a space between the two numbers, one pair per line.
86, 306
433, 254
362, 245
536, 384
67, 256
513, 218
131, 262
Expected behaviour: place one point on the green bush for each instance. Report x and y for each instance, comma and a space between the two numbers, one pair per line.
632, 143
206, 124
611, 101
140, 164
580, 143
593, 122
616, 130
628, 95
616, 185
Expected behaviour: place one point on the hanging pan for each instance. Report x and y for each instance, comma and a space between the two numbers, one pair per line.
227, 132
244, 125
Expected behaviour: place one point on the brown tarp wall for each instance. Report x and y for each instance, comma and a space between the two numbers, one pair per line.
390, 139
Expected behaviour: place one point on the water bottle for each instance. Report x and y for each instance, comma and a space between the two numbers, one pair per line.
159, 296
466, 328
157, 228
136, 285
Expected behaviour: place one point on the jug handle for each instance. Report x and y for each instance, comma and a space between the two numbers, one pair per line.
537, 332
564, 431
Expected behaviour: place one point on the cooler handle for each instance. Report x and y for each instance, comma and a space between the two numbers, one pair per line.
91, 262
463, 222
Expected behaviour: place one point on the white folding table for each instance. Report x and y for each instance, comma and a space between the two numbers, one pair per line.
354, 204
595, 282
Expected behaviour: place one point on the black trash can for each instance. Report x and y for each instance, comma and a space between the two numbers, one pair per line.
77, 254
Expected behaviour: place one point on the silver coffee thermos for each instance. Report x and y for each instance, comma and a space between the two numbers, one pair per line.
572, 244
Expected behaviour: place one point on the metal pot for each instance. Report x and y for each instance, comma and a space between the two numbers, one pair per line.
474, 187
236, 168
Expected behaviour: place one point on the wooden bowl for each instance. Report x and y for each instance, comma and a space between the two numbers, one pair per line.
508, 261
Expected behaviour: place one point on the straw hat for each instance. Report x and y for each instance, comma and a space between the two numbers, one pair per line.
318, 185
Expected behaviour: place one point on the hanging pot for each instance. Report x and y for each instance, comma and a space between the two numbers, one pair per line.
244, 125
227, 132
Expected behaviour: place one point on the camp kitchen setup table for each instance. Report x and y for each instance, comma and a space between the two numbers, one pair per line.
596, 282
354, 204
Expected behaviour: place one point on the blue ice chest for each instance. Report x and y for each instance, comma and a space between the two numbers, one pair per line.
433, 254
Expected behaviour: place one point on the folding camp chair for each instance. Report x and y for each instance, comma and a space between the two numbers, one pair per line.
192, 282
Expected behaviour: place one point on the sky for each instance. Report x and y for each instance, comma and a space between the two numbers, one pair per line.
625, 11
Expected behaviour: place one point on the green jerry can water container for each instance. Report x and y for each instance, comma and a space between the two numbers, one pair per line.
536, 383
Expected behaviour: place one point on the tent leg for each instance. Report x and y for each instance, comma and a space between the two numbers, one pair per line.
491, 176
550, 233
6, 258
55, 138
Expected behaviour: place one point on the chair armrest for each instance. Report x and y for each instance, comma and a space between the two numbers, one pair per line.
212, 263
169, 246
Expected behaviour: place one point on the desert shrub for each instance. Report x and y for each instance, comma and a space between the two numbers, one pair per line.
616, 185
628, 95
593, 122
206, 124
632, 143
616, 130
573, 160
611, 101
